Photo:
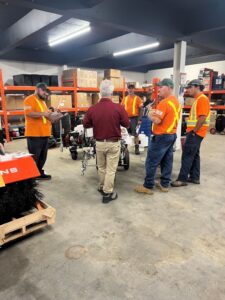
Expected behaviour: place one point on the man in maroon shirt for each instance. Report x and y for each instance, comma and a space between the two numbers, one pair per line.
106, 118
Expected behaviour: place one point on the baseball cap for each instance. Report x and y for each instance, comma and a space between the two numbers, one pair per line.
42, 85
166, 82
193, 82
131, 86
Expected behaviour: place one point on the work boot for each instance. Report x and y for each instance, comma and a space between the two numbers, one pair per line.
143, 190
44, 177
161, 188
109, 197
100, 190
137, 151
195, 181
178, 183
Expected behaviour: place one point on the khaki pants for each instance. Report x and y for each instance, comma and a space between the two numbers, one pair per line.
108, 154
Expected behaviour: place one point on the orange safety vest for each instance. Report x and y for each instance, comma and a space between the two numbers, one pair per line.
192, 121
176, 116
133, 106
42, 109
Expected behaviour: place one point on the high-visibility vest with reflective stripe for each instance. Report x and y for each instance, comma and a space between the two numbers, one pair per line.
175, 119
42, 109
176, 116
192, 121
133, 105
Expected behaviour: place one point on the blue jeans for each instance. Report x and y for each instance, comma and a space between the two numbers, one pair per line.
160, 152
190, 162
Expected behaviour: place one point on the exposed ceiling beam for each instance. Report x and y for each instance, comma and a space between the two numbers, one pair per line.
32, 22
108, 47
200, 23
152, 58
154, 20
38, 56
190, 61
56, 6
213, 40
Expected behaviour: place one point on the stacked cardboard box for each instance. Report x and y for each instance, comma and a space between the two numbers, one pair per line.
84, 100
14, 102
85, 78
117, 82
112, 73
60, 101
96, 97
99, 80
115, 77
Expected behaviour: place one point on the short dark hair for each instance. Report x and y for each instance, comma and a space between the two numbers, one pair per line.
131, 86
201, 87
42, 85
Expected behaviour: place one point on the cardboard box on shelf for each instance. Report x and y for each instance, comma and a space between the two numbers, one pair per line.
100, 78
116, 99
60, 101
117, 82
112, 73
95, 98
85, 78
189, 101
84, 99
14, 102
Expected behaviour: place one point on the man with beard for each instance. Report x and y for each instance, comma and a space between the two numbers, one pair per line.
38, 126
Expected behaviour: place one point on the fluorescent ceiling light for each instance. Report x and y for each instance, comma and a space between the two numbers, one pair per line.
128, 51
69, 36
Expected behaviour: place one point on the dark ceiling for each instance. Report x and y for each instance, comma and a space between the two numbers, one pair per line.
26, 26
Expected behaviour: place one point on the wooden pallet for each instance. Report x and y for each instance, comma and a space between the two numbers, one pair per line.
30, 222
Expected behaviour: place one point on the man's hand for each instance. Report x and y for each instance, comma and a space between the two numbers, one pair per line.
152, 113
55, 116
47, 114
154, 117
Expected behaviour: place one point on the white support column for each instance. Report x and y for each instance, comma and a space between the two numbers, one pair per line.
178, 69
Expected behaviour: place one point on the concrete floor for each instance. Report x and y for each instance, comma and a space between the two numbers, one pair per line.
161, 247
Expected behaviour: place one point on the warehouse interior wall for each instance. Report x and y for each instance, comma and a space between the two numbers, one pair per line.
191, 70
10, 68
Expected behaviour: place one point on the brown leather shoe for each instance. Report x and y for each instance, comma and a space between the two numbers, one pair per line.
161, 188
178, 183
143, 190
195, 181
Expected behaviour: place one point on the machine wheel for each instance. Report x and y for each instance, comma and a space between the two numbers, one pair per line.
74, 155
220, 123
213, 130
126, 160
